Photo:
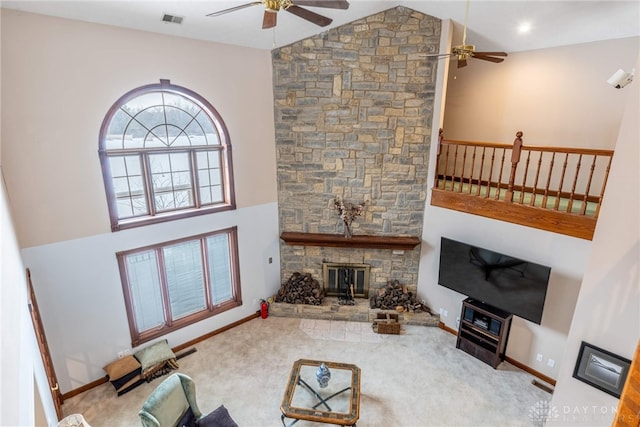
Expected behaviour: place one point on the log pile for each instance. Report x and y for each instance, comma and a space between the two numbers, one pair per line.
300, 289
394, 296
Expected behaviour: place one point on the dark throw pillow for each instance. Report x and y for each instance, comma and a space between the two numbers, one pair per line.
188, 419
218, 418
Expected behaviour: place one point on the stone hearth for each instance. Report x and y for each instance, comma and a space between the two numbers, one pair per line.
332, 310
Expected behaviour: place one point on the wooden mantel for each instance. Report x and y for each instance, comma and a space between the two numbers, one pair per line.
403, 243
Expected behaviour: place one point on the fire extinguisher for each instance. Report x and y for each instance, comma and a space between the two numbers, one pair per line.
264, 309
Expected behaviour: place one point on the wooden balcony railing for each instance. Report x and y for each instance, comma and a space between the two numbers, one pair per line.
556, 189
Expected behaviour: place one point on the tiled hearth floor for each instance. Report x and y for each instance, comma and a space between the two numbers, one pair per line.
340, 330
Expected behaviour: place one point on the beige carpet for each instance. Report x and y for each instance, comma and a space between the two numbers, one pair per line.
417, 378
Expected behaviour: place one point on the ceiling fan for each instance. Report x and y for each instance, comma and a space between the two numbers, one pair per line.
465, 51
272, 7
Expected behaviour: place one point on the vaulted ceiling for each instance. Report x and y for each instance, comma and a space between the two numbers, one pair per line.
492, 25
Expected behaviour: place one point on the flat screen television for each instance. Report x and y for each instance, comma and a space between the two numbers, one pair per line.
511, 284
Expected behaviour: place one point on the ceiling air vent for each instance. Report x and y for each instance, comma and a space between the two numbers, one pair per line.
172, 18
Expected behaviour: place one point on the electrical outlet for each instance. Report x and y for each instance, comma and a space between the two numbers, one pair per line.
539, 357
441, 311
120, 354
270, 260
457, 322
551, 363
445, 313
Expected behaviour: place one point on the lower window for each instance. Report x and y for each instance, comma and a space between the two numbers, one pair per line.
173, 284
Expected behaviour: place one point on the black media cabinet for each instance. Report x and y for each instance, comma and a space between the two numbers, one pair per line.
483, 331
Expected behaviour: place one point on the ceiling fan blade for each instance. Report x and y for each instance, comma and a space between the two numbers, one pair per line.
331, 4
488, 58
438, 55
310, 16
269, 20
491, 53
462, 63
233, 9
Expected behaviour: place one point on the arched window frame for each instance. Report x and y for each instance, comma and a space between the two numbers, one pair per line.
153, 214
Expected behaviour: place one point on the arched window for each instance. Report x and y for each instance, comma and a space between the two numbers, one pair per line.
165, 155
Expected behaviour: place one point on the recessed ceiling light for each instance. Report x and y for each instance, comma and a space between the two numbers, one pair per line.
524, 27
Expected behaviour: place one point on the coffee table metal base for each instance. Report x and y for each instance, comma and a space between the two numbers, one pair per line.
321, 400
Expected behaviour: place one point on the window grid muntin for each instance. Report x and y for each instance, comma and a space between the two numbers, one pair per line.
139, 122
171, 187
147, 175
206, 130
211, 309
128, 178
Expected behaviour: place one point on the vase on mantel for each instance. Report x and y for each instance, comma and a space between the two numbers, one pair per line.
347, 229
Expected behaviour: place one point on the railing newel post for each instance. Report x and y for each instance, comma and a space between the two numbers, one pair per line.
515, 158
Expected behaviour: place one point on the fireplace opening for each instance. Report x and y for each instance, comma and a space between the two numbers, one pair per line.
346, 281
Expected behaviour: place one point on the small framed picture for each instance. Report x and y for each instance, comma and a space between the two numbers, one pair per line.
601, 369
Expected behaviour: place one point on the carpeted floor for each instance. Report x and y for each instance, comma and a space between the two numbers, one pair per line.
417, 378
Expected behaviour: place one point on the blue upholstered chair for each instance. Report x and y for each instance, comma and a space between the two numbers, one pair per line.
169, 402
173, 403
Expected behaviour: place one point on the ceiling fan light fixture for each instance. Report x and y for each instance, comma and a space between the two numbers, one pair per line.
271, 5
464, 49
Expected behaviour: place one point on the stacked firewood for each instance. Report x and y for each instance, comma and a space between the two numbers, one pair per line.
394, 296
300, 289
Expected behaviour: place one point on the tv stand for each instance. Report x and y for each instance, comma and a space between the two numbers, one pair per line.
483, 331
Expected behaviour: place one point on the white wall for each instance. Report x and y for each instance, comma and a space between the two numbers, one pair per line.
557, 96
79, 282
20, 359
59, 79
565, 255
608, 309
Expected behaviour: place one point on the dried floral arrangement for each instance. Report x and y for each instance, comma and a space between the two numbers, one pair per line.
348, 212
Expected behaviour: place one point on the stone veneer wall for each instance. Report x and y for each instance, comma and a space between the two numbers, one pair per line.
353, 112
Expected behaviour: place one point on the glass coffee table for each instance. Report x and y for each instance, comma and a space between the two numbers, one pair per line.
336, 403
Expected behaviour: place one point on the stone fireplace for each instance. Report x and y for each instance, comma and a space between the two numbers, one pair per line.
353, 110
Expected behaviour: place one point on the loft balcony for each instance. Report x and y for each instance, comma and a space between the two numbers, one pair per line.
557, 189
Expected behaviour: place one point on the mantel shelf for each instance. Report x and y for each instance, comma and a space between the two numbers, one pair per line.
404, 243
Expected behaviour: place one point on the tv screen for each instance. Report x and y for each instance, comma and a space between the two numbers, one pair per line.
511, 284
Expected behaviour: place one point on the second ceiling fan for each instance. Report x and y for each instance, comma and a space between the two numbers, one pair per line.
272, 7
465, 51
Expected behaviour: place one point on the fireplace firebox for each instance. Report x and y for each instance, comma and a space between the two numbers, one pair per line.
346, 280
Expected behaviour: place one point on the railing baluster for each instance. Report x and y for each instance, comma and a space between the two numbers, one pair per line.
585, 200
545, 197
481, 167
446, 166
464, 161
524, 178
564, 170
455, 167
473, 164
573, 187
493, 158
534, 191
498, 187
